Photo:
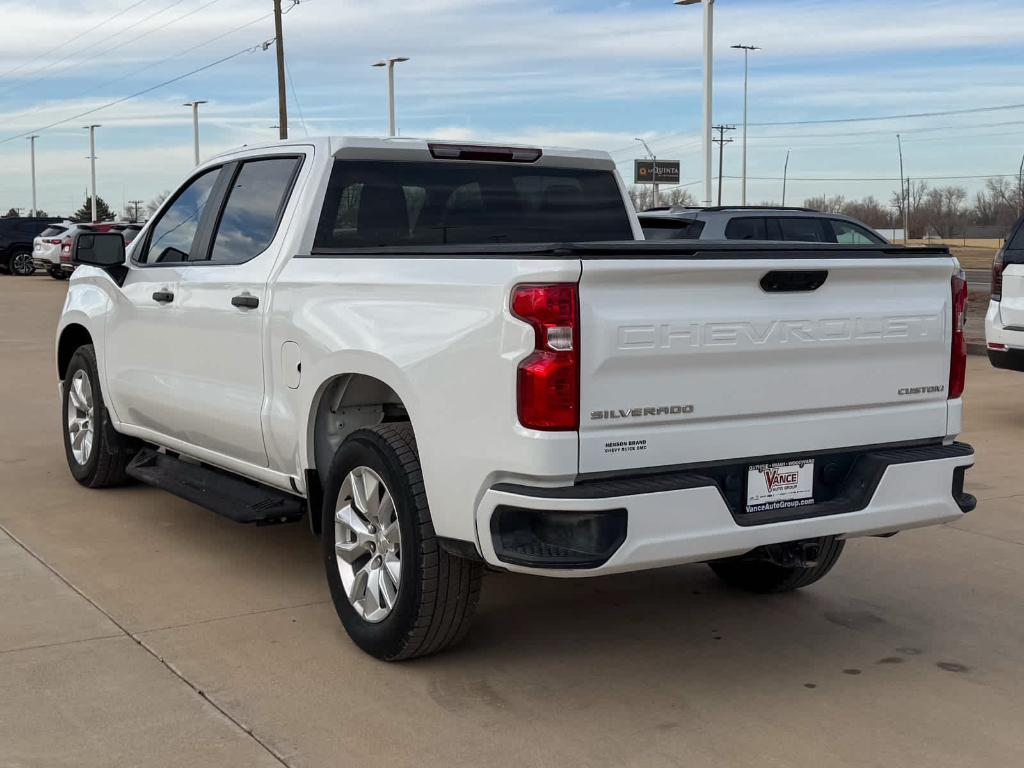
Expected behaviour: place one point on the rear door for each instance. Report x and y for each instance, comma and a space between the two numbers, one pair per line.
705, 359
1011, 307
221, 303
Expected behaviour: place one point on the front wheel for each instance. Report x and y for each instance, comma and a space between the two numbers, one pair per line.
765, 576
96, 454
21, 264
397, 592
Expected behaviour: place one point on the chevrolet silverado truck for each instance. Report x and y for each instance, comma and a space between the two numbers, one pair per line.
452, 357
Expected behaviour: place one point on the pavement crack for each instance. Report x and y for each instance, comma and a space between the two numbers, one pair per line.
242, 615
984, 535
138, 641
57, 644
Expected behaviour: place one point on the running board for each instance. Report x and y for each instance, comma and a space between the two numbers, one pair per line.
217, 491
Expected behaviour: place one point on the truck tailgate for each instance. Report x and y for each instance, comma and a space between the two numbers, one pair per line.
693, 360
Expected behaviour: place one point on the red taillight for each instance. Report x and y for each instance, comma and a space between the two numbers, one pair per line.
997, 276
548, 387
52, 242
958, 353
65, 251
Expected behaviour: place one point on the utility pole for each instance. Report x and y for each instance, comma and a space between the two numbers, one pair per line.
746, 57
92, 164
722, 141
32, 142
785, 175
282, 97
904, 194
135, 207
195, 125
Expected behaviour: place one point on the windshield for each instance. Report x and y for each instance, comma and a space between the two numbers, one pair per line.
375, 204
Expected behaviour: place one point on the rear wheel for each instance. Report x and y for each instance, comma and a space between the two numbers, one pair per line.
96, 454
397, 592
57, 273
21, 263
761, 575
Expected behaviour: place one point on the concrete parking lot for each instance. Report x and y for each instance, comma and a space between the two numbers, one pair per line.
138, 630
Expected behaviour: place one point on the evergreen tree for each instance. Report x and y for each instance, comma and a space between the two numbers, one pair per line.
84, 214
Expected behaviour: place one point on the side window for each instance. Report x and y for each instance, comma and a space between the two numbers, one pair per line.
851, 234
174, 232
671, 229
805, 229
253, 210
746, 228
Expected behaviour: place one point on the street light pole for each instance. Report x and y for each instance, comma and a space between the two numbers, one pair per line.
195, 125
390, 64
709, 24
904, 194
654, 170
32, 142
92, 164
785, 175
746, 58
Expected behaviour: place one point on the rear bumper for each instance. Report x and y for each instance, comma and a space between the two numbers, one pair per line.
1005, 346
693, 516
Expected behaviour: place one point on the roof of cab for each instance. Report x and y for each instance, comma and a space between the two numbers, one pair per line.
403, 148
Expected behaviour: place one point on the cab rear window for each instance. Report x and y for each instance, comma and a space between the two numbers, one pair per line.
373, 204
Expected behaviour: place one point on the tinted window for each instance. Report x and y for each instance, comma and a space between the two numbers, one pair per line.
372, 204
1016, 240
253, 209
32, 228
746, 228
805, 229
852, 234
671, 229
175, 231
53, 231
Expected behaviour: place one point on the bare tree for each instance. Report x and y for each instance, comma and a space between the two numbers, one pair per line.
157, 201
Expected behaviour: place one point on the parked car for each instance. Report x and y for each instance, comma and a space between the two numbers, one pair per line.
16, 236
797, 225
128, 231
452, 356
53, 248
1004, 321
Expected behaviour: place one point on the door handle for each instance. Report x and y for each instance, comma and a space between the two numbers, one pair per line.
164, 297
245, 302
794, 281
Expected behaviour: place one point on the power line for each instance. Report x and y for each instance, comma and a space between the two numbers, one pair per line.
72, 39
882, 178
968, 111
236, 54
80, 51
295, 96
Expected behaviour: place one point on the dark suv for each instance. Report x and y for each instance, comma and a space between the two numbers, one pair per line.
16, 243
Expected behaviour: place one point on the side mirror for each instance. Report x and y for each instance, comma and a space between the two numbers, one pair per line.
103, 249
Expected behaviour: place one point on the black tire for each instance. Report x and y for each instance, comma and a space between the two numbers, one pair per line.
20, 263
57, 273
110, 453
765, 577
438, 592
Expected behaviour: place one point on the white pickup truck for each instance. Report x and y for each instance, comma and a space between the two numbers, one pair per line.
456, 356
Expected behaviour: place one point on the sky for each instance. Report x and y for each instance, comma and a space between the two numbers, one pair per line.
590, 74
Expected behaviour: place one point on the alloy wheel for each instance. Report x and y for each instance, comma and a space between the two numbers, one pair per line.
81, 425
368, 544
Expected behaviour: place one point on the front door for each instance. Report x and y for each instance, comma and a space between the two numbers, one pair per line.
142, 346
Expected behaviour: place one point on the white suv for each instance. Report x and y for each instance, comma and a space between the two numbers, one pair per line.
1004, 321
771, 224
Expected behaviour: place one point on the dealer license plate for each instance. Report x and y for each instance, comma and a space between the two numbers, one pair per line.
780, 485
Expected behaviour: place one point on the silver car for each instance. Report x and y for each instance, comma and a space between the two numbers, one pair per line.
786, 225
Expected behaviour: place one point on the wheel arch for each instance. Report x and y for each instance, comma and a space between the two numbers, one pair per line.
342, 404
72, 336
